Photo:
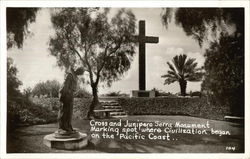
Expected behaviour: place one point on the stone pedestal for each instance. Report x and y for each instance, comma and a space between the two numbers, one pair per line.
76, 141
141, 93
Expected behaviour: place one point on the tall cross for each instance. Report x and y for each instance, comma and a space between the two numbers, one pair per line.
142, 39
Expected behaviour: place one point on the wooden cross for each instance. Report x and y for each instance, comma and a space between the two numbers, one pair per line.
142, 39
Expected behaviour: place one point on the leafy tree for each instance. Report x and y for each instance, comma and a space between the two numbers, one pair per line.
202, 22
225, 72
18, 20
87, 37
182, 70
13, 82
20, 110
49, 88
53, 87
224, 64
27, 92
13, 93
39, 89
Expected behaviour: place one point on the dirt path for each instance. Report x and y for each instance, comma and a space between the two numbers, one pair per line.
30, 139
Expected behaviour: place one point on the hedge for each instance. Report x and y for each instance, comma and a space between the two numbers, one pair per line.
197, 107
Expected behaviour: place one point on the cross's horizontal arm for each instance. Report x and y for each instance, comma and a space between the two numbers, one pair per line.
152, 39
145, 39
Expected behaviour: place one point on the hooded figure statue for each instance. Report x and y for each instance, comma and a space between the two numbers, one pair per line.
66, 98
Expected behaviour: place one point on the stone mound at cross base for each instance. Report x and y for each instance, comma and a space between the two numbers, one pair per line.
68, 141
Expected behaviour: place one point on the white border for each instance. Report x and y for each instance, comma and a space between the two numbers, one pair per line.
132, 4
122, 3
3, 54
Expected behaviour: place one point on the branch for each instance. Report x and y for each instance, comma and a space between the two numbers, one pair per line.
72, 46
85, 60
116, 48
88, 64
103, 64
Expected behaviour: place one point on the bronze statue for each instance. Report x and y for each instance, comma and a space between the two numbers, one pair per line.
66, 97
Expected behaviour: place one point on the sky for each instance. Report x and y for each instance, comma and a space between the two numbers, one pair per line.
35, 64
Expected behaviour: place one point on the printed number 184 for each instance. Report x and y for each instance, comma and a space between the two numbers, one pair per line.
230, 148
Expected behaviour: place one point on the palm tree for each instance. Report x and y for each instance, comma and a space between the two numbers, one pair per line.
182, 71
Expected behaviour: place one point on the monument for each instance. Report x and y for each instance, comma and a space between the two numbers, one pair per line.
66, 137
142, 39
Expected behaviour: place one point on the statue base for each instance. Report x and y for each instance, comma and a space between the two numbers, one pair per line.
142, 93
68, 141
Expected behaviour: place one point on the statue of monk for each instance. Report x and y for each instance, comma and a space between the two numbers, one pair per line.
66, 97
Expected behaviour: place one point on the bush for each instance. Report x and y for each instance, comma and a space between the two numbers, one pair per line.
196, 94
160, 93
48, 88
81, 105
116, 94
49, 103
22, 111
82, 93
113, 94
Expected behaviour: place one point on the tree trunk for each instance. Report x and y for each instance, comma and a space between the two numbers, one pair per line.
183, 86
94, 102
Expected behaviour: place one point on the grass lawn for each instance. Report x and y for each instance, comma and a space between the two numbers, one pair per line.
30, 139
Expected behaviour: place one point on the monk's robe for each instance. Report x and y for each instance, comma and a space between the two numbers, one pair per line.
66, 97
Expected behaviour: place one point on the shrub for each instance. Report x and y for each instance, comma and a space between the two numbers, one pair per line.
116, 94
82, 93
196, 94
160, 93
81, 105
113, 94
49, 103
22, 111
48, 88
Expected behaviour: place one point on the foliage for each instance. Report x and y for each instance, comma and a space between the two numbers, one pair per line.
50, 88
182, 70
81, 93
114, 94
13, 82
52, 104
202, 22
157, 91
195, 94
20, 110
197, 107
161, 93
87, 37
224, 64
27, 92
18, 20
80, 106
225, 72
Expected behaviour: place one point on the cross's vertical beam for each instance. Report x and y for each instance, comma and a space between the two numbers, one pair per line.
142, 59
143, 39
